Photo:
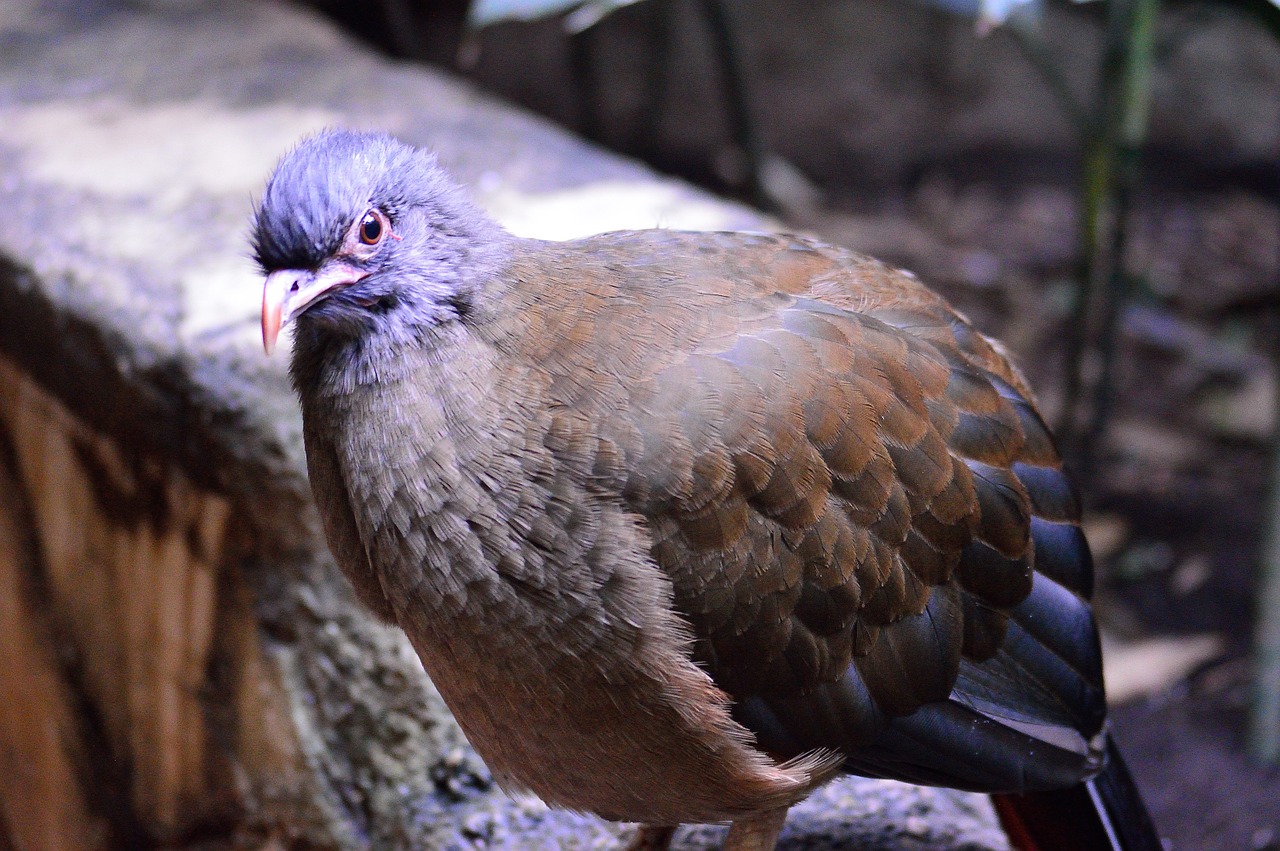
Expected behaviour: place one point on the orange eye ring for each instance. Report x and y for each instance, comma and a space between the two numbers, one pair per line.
371, 229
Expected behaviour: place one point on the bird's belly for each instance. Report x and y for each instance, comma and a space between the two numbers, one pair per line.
626, 746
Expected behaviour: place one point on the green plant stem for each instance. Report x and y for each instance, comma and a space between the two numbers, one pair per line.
1112, 161
1139, 63
1264, 715
1126, 133
1097, 180
1097, 191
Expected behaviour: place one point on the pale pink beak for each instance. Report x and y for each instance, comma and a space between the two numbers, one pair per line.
288, 292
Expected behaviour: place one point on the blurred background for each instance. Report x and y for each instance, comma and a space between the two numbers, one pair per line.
1097, 184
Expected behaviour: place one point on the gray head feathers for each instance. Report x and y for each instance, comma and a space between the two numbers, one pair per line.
321, 186
433, 256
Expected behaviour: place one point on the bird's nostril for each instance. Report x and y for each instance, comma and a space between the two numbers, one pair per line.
294, 287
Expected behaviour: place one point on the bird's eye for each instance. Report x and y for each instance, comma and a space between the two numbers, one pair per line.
371, 229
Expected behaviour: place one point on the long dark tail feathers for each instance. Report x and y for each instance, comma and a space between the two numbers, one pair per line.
1102, 814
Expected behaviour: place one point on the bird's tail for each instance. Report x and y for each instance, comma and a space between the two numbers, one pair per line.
1105, 813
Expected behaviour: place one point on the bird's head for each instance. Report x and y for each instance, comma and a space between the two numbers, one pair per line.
357, 233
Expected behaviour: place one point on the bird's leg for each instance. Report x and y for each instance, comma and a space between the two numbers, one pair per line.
756, 833
651, 837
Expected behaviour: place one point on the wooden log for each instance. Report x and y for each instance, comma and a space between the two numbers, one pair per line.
125, 553
42, 803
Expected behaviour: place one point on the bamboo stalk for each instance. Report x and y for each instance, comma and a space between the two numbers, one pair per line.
1126, 133
1112, 159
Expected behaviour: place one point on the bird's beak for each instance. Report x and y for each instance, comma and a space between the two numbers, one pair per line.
288, 292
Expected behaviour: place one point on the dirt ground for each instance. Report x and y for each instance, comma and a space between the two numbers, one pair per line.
928, 148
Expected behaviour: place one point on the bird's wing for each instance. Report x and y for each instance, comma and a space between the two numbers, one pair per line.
867, 526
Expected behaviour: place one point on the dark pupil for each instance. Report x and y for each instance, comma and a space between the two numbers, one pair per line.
370, 230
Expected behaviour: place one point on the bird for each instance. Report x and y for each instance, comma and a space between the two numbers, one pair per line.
683, 525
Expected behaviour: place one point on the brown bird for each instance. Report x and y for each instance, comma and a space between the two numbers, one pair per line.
682, 525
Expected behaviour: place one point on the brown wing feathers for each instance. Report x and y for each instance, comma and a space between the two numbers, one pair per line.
850, 504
